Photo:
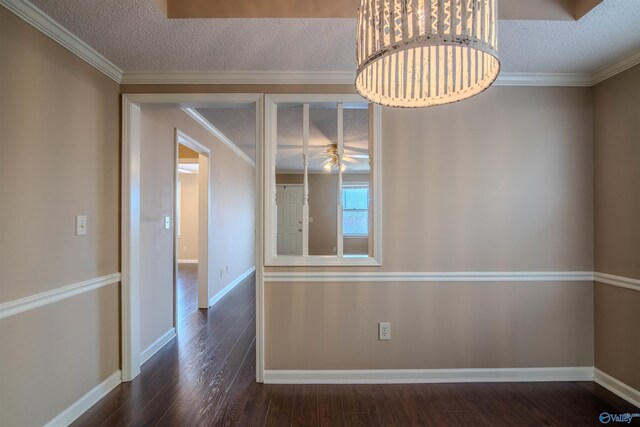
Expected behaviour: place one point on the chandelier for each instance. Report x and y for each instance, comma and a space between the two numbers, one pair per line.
419, 53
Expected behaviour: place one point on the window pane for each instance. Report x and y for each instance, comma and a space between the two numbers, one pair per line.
355, 222
355, 198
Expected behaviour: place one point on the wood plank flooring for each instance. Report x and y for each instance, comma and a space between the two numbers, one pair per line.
206, 376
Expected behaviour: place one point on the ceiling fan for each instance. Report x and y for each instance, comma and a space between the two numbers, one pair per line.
332, 160
329, 152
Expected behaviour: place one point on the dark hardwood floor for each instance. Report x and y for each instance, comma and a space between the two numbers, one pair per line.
206, 377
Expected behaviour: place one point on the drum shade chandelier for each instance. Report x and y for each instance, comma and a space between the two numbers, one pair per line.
420, 53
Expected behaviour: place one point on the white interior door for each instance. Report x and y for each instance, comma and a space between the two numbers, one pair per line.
289, 219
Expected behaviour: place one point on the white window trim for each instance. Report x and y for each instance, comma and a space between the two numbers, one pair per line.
269, 169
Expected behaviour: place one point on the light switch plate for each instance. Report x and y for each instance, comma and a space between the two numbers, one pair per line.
81, 225
167, 222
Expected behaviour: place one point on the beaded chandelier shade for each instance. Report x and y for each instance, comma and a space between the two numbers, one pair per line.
419, 53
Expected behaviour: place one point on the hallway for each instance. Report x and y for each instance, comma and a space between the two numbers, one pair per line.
202, 376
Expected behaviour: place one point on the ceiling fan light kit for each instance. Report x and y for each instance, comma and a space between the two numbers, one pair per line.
421, 53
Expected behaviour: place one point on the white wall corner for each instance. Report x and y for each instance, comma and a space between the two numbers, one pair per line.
80, 406
617, 387
217, 297
157, 345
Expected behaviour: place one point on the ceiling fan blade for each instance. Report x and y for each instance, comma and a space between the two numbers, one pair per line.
359, 156
356, 149
350, 160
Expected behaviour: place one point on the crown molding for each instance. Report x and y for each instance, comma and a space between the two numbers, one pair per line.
544, 79
240, 77
191, 112
43, 22
617, 67
325, 78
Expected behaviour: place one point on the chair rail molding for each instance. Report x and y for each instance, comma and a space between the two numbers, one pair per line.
31, 302
485, 276
623, 282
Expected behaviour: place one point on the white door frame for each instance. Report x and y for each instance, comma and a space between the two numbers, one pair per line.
204, 226
130, 239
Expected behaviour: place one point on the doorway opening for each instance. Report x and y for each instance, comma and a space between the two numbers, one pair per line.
225, 130
191, 239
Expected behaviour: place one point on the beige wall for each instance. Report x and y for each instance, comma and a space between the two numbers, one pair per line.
434, 325
617, 225
188, 239
501, 182
231, 242
59, 157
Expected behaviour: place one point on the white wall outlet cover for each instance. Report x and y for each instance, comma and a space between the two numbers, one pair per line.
167, 222
384, 331
81, 225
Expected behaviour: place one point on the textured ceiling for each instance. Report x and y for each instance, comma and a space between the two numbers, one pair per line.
237, 124
135, 36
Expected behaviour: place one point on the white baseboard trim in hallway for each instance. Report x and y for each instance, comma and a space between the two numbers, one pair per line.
80, 406
615, 386
187, 261
420, 376
217, 297
157, 345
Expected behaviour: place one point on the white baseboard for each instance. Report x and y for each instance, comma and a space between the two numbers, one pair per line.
615, 386
217, 297
157, 345
187, 261
418, 376
78, 408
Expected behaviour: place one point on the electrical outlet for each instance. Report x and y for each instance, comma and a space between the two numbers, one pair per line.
384, 331
167, 222
81, 225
